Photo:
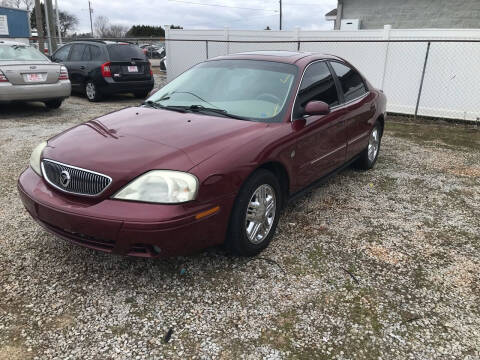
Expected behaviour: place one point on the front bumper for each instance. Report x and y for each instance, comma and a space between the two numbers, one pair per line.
123, 227
37, 92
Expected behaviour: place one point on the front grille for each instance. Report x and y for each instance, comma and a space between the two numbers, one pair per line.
74, 180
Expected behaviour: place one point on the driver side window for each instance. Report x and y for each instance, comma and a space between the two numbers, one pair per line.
317, 84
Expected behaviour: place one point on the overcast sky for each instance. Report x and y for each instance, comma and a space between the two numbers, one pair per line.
307, 14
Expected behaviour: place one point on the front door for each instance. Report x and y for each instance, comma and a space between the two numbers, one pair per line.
321, 144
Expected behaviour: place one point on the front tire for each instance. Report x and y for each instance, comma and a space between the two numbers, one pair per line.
141, 94
369, 156
255, 214
92, 92
53, 104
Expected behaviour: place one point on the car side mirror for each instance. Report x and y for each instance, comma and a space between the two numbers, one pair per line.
316, 108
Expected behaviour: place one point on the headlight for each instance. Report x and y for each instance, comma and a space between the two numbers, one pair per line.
161, 186
35, 157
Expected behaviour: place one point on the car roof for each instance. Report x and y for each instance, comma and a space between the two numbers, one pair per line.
289, 57
106, 42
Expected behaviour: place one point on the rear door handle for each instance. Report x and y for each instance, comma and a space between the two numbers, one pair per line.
83, 67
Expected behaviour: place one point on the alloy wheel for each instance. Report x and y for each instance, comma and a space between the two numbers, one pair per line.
90, 90
261, 211
373, 144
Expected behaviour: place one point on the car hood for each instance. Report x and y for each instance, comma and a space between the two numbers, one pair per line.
128, 142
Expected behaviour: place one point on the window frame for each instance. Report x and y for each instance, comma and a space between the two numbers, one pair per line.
339, 84
335, 80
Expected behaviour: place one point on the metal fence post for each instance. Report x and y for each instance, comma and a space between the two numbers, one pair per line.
206, 48
421, 80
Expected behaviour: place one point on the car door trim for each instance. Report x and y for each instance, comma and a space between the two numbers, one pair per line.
359, 137
328, 154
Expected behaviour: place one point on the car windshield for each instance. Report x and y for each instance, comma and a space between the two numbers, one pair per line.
20, 53
251, 89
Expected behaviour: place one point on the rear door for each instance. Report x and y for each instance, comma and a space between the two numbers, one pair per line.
359, 105
77, 66
128, 62
321, 145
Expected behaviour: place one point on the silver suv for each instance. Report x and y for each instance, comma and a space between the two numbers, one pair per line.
28, 75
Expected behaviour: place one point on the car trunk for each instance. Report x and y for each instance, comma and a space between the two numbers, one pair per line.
128, 63
19, 73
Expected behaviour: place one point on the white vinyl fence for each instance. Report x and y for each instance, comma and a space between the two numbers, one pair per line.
393, 60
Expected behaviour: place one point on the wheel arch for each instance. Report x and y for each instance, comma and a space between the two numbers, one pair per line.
281, 173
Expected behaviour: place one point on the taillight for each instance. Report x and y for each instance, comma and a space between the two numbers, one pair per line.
3, 78
150, 67
63, 73
105, 69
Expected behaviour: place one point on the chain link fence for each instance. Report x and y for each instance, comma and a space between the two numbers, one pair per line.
433, 78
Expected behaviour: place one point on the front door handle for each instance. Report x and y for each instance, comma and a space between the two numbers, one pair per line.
83, 67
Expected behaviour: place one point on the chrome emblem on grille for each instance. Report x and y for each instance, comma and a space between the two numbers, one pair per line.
65, 178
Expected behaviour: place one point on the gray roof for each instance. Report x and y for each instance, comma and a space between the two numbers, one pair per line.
332, 12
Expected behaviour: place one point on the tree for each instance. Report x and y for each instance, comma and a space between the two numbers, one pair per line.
68, 22
176, 27
101, 26
20, 4
146, 31
117, 31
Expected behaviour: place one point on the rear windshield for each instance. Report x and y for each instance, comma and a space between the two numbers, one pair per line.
125, 52
20, 52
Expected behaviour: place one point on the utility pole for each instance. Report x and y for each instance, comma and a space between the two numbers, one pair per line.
39, 20
90, 10
58, 23
51, 25
280, 14
47, 25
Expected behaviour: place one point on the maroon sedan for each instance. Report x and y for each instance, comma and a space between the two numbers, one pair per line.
210, 158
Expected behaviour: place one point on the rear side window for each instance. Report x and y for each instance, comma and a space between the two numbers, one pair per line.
62, 53
317, 85
77, 52
125, 52
95, 53
350, 80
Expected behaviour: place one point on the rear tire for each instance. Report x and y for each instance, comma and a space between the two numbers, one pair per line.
92, 92
141, 94
255, 214
53, 104
369, 156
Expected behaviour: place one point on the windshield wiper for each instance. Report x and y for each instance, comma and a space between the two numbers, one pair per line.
203, 109
156, 105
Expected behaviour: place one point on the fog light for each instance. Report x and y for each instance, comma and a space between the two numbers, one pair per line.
156, 249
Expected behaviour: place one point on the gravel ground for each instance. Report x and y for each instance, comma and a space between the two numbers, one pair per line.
378, 264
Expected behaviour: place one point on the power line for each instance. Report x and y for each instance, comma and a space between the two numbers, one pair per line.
220, 5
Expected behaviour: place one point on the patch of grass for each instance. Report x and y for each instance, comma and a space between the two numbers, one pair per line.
446, 135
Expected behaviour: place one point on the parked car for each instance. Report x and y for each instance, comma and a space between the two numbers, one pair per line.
28, 75
100, 68
210, 158
153, 51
